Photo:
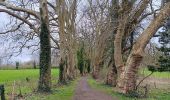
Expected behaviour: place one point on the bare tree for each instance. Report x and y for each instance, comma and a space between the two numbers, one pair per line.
98, 28
38, 22
24, 24
127, 71
66, 11
112, 71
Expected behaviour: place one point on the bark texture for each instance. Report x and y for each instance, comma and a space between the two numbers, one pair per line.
112, 75
66, 20
45, 50
96, 70
131, 67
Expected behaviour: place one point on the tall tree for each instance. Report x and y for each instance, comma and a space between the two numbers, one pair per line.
45, 50
112, 72
66, 11
127, 71
99, 26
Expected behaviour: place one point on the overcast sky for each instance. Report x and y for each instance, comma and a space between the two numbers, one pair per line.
24, 56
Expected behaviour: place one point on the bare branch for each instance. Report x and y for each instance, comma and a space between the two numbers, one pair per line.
31, 12
20, 18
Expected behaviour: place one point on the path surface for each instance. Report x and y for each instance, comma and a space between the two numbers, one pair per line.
84, 92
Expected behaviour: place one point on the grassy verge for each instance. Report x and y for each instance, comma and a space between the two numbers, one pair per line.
15, 83
154, 94
65, 92
105, 88
159, 94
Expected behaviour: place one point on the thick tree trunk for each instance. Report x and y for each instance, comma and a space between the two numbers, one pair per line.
72, 65
62, 71
120, 78
63, 53
67, 64
118, 53
66, 68
98, 63
111, 78
45, 50
125, 23
112, 72
129, 75
96, 70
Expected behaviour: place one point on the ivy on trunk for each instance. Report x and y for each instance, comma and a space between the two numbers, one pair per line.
45, 51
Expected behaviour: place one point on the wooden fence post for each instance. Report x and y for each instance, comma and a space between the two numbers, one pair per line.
2, 92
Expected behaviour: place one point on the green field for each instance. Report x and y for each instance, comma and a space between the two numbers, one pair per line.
11, 75
15, 82
145, 72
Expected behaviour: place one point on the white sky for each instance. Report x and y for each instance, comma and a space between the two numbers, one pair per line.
24, 56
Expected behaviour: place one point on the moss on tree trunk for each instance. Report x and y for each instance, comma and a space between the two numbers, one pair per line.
45, 51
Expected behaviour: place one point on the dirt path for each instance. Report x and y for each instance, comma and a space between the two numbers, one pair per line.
84, 92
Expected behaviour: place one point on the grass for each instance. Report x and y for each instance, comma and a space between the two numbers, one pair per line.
65, 92
105, 88
15, 82
145, 72
159, 94
11, 75
154, 94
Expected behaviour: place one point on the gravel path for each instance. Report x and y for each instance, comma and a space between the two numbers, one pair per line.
84, 92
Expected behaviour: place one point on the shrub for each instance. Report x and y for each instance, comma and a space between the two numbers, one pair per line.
152, 68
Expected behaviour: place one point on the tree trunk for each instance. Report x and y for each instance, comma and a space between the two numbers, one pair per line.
62, 71
2, 92
66, 68
66, 21
118, 53
120, 78
96, 69
112, 75
63, 53
45, 50
129, 75
72, 65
